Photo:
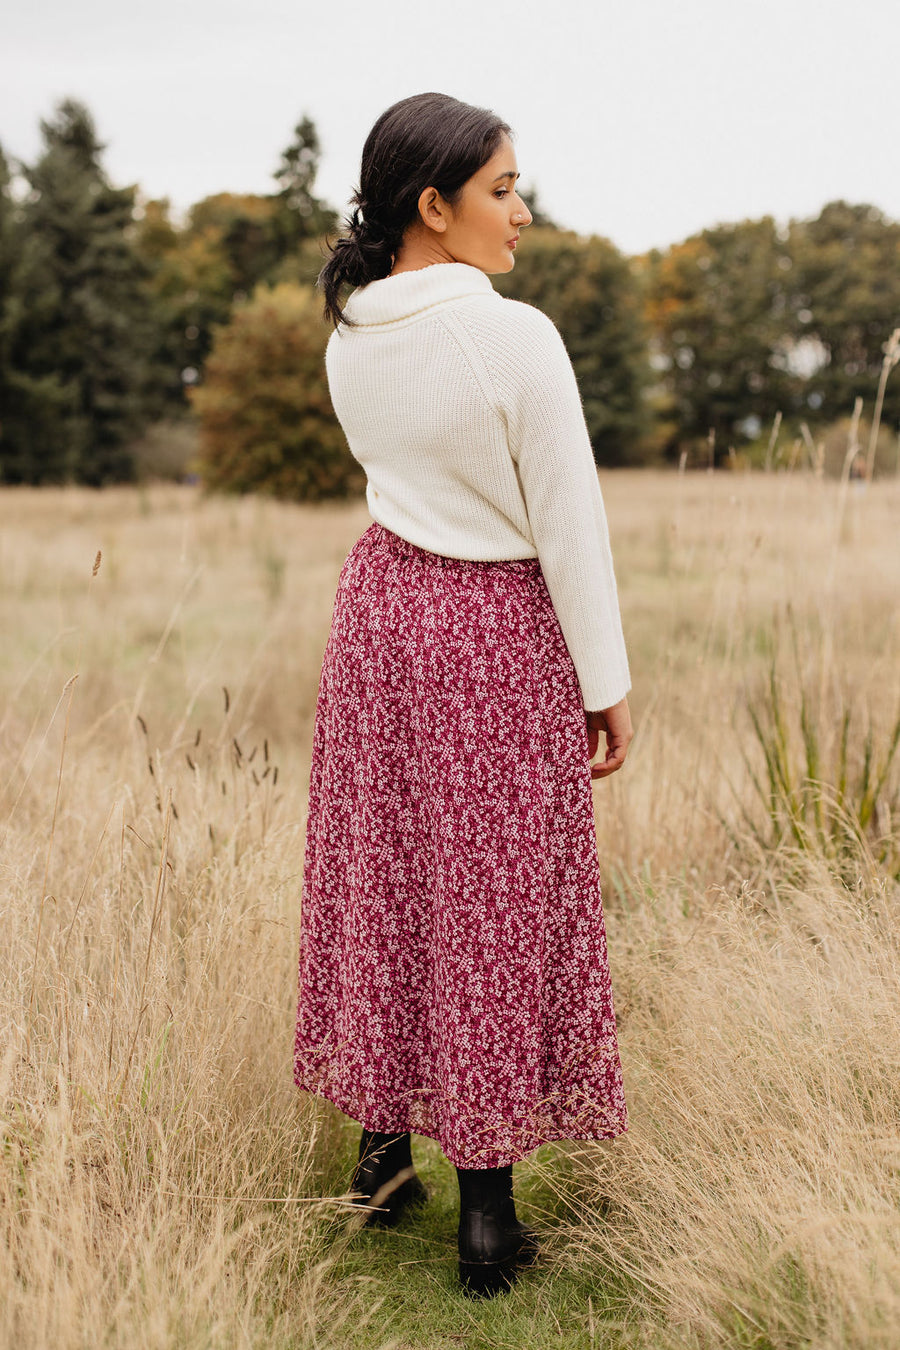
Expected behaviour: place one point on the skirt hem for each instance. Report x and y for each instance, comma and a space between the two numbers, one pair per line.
511, 1141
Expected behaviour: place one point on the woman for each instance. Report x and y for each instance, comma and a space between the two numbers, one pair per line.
453, 967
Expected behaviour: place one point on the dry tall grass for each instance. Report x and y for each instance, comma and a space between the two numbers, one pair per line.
162, 1185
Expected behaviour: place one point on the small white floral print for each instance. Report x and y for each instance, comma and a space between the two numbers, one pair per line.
453, 976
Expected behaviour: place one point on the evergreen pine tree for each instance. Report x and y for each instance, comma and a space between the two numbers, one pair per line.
78, 355
9, 307
299, 214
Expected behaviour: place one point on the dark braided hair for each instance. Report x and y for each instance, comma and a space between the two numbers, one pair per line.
428, 140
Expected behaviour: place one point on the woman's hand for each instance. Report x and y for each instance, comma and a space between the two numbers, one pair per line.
616, 722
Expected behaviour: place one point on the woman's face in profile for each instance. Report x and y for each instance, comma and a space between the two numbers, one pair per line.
483, 225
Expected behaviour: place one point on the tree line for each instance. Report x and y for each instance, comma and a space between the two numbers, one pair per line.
115, 318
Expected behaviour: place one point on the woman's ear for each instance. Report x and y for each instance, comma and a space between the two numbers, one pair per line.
432, 209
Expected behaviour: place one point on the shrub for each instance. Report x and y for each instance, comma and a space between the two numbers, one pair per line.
266, 420
166, 452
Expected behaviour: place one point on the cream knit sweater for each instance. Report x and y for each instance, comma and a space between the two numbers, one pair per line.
463, 409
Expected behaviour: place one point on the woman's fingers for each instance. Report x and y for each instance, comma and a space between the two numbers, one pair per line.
615, 758
616, 722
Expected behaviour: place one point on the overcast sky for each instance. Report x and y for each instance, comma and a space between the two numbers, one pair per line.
641, 120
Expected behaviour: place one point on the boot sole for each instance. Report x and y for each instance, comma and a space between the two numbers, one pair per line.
484, 1279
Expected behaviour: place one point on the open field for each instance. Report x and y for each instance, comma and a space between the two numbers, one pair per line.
161, 1182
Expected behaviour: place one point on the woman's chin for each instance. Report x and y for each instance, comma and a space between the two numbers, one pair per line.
505, 263
500, 262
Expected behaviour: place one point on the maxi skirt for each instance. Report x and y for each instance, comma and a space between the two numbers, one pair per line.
453, 973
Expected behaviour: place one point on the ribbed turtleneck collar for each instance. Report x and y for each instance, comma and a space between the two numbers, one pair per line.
393, 299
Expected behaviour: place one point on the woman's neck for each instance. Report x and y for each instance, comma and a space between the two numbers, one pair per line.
420, 249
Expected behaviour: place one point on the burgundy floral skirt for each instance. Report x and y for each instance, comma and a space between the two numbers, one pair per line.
453, 974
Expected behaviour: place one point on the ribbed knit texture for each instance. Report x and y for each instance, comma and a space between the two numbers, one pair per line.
463, 408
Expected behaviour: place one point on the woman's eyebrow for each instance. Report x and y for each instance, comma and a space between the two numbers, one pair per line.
509, 174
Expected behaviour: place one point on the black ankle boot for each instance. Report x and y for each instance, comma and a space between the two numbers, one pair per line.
529, 1250
386, 1177
493, 1245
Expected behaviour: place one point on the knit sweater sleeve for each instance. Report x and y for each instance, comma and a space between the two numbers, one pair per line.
549, 443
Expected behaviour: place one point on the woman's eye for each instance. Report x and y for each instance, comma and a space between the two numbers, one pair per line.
502, 192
